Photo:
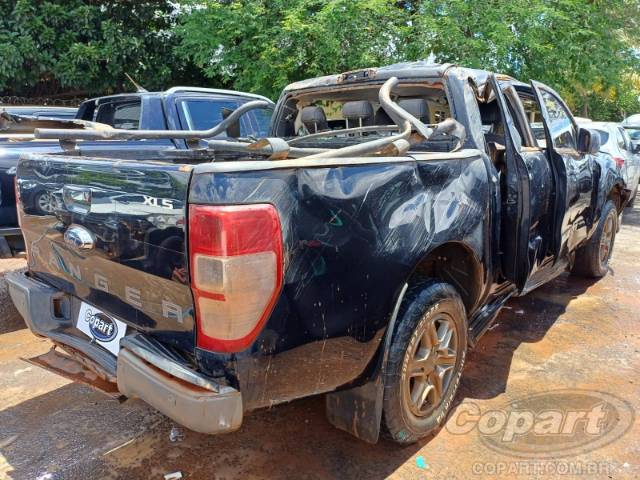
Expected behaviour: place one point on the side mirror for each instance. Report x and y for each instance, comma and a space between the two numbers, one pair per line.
635, 148
588, 141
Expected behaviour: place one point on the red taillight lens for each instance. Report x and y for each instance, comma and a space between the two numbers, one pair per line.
619, 161
235, 256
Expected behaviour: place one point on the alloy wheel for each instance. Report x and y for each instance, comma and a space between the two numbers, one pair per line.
431, 366
606, 239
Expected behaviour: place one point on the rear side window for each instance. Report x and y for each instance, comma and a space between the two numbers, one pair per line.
204, 114
122, 115
604, 136
563, 132
634, 133
623, 140
534, 117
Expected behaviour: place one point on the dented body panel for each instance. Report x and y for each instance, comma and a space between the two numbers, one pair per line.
353, 236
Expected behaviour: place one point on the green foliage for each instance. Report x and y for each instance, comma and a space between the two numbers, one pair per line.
53, 46
583, 48
263, 45
588, 50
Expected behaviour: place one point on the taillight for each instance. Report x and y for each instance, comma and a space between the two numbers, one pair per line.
619, 161
235, 254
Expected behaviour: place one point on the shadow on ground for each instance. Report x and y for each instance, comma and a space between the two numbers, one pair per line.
288, 441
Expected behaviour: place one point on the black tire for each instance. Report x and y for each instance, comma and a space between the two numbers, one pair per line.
592, 259
426, 303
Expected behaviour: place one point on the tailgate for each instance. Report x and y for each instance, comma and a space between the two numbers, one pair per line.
112, 233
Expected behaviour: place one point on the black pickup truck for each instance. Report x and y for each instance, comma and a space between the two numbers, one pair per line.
357, 251
179, 108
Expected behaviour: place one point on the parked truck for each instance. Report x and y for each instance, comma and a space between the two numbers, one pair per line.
357, 251
179, 108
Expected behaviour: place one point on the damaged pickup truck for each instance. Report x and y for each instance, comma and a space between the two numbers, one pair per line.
358, 251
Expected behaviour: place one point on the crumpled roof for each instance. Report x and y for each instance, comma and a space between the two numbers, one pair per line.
405, 70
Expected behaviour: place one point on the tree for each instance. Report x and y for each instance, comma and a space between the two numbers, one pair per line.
583, 48
85, 47
262, 45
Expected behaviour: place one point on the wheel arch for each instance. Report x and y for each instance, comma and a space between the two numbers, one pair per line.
618, 195
358, 409
455, 263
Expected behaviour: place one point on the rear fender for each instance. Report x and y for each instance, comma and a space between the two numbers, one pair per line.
609, 180
358, 410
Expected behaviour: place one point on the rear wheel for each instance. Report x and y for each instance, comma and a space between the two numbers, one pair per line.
592, 259
425, 361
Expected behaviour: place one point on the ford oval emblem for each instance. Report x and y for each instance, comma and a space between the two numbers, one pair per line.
79, 238
101, 326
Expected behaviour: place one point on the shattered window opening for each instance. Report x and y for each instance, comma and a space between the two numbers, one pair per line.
348, 108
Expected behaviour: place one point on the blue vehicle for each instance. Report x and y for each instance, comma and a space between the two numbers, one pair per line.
358, 250
179, 108
41, 111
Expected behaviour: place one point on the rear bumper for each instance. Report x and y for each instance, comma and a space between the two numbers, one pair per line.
143, 368
192, 406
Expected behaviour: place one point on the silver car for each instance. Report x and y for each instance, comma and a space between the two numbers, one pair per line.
616, 142
632, 126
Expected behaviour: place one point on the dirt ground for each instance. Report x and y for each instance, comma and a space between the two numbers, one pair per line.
571, 335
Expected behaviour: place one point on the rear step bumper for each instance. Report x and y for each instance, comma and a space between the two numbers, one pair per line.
141, 371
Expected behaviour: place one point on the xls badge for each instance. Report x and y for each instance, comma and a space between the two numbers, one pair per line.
101, 326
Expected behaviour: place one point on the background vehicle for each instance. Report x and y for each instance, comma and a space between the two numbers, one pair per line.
41, 111
358, 251
179, 108
617, 143
632, 125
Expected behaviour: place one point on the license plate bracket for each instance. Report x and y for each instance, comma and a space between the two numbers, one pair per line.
101, 327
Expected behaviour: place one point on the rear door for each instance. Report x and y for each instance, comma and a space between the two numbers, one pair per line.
574, 171
516, 211
114, 237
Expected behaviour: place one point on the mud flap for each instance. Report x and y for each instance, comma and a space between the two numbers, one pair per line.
358, 410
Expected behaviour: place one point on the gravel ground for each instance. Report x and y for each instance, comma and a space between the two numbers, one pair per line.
568, 342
